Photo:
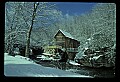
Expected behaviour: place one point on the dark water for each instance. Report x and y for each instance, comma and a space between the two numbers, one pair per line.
95, 72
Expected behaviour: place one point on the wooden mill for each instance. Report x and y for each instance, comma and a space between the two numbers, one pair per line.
67, 42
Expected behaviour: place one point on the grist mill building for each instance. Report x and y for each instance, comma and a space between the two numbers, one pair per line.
67, 42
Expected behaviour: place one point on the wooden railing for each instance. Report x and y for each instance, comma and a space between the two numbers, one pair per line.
72, 49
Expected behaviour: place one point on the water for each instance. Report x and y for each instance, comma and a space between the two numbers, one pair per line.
95, 72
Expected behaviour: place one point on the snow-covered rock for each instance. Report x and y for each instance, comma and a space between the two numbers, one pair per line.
73, 62
5, 53
96, 57
17, 66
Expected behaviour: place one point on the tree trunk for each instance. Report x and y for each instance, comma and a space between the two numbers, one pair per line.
27, 51
27, 45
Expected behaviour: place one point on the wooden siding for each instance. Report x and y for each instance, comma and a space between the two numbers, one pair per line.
69, 44
64, 41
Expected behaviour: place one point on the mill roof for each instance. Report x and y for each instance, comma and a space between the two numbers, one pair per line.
66, 34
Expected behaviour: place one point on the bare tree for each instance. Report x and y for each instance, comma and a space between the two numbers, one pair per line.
30, 29
26, 15
43, 14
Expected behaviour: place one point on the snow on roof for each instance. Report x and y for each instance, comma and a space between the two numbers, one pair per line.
66, 34
20, 67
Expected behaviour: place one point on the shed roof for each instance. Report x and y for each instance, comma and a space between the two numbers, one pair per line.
66, 34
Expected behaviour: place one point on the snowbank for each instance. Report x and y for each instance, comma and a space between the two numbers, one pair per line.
19, 66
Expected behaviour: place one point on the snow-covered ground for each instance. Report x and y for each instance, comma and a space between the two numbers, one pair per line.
19, 66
